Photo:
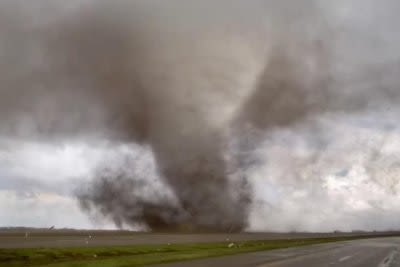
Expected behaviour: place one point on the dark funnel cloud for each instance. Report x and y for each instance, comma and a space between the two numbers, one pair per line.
123, 72
183, 79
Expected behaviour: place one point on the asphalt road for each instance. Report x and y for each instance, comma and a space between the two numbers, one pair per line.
381, 252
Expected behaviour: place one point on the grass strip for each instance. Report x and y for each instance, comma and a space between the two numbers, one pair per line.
139, 255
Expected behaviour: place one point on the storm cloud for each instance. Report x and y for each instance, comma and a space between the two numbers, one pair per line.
198, 88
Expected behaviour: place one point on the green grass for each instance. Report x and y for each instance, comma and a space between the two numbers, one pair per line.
140, 255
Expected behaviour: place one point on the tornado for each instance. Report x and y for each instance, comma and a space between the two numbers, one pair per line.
195, 83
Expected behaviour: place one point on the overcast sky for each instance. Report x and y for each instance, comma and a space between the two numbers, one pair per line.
335, 169
355, 179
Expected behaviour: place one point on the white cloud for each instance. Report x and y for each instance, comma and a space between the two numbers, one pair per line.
42, 210
350, 182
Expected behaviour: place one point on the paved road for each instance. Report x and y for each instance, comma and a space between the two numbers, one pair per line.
382, 252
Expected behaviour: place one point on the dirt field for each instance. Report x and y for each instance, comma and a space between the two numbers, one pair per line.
75, 238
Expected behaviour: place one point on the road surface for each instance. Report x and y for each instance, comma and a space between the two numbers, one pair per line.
380, 252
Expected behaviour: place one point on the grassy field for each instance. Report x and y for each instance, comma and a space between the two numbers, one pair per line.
140, 255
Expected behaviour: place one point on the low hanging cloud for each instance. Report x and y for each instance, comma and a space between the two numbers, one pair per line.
204, 115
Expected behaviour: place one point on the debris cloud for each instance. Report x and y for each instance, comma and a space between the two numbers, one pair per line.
197, 86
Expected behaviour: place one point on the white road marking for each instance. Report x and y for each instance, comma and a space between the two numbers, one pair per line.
388, 260
345, 258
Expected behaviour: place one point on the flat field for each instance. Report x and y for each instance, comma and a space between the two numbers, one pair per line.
121, 248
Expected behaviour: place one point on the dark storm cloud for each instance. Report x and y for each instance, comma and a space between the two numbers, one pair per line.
162, 74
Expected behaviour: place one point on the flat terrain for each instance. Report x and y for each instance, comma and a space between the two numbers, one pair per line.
76, 238
382, 252
118, 248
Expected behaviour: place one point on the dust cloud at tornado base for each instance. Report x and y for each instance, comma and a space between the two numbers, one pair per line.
198, 88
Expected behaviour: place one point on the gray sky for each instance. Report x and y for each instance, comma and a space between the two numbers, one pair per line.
346, 182
331, 163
